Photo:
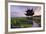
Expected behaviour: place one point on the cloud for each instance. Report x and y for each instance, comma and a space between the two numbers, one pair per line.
37, 11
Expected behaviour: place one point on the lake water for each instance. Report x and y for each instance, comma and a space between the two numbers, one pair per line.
35, 24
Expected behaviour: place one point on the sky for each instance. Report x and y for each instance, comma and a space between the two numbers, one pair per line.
19, 11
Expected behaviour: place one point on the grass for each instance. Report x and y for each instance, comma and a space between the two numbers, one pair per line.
19, 21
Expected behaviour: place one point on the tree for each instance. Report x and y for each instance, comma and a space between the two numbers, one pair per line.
29, 13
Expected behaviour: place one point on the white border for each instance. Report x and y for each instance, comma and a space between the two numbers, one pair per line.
24, 29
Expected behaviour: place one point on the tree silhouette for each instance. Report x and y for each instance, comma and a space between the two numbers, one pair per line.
29, 12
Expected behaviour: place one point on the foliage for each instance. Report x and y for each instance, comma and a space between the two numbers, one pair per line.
29, 12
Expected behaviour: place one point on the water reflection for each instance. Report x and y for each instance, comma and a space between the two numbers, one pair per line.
34, 24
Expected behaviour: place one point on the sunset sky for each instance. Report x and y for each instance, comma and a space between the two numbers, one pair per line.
19, 11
